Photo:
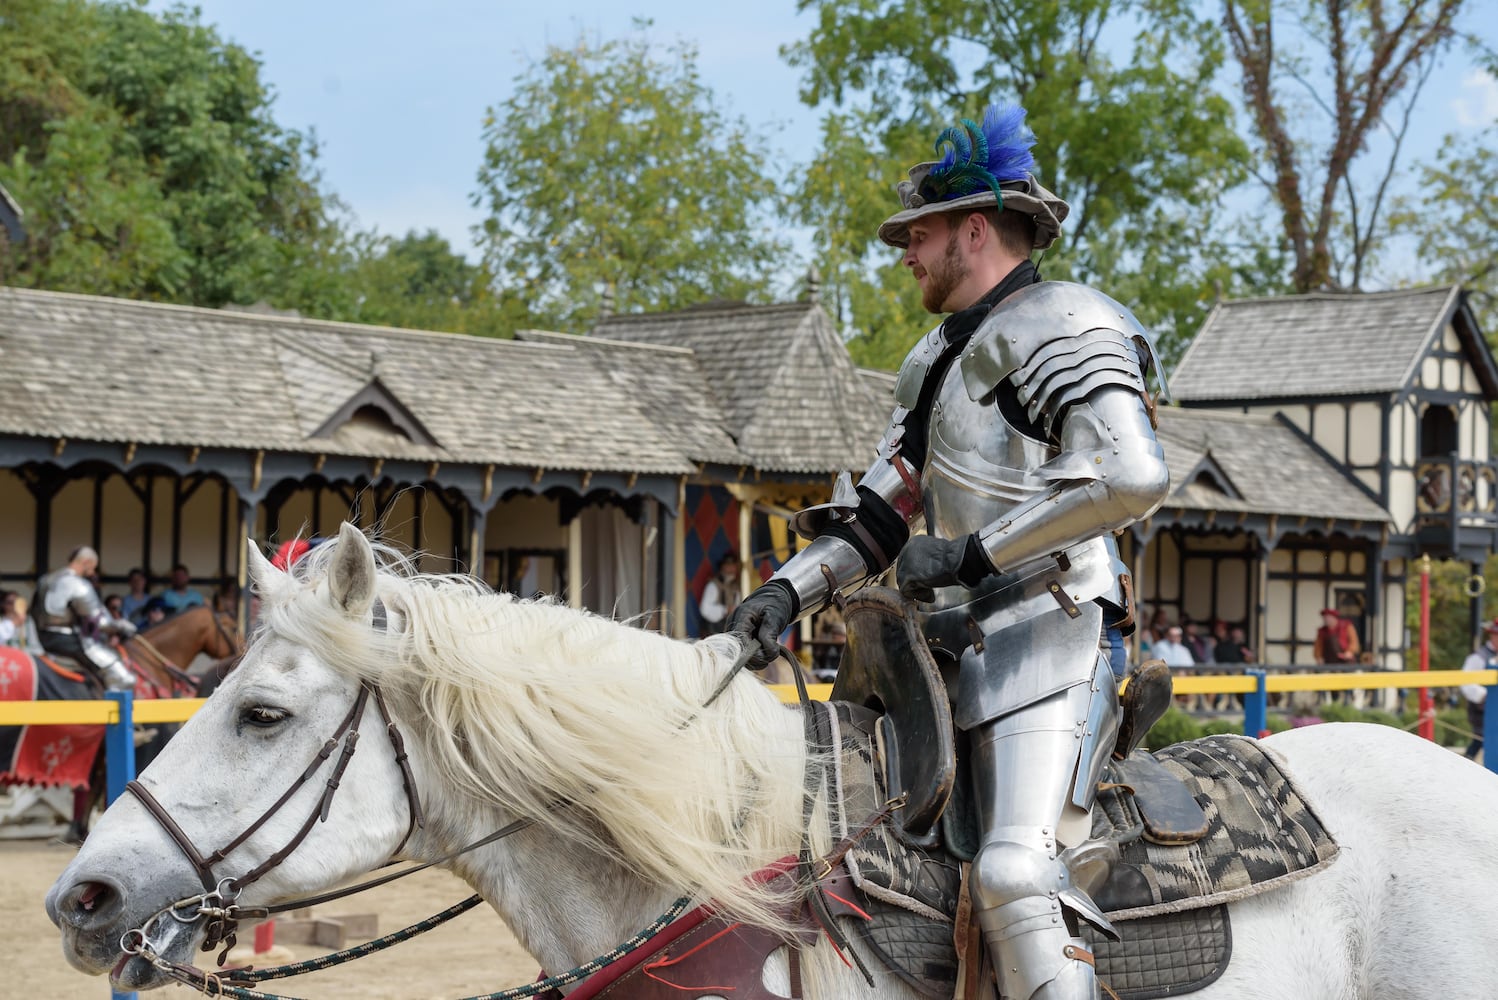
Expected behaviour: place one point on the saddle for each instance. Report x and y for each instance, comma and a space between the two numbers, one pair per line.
1176, 836
888, 669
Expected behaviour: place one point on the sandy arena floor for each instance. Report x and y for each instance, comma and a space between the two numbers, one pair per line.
472, 954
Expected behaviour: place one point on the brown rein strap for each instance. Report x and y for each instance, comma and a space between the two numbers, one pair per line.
348, 734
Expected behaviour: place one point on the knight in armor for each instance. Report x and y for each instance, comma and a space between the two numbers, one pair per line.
72, 622
1022, 439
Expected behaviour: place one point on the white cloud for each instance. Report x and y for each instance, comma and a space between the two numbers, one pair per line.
1478, 105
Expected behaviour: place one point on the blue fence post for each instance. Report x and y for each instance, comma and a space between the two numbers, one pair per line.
1490, 730
119, 764
119, 746
1256, 704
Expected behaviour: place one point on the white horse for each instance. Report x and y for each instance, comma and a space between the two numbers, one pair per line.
637, 795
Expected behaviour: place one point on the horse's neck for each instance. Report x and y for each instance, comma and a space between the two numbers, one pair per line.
564, 905
177, 640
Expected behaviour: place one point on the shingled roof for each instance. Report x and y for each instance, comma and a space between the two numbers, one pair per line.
1324, 344
666, 382
782, 376
1258, 464
92, 368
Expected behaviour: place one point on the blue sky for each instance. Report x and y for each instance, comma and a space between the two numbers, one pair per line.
396, 91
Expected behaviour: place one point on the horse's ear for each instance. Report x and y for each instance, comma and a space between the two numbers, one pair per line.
351, 577
261, 571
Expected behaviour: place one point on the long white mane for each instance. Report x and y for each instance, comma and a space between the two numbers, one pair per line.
526, 704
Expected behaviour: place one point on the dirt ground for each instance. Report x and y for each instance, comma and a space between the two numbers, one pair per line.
472, 954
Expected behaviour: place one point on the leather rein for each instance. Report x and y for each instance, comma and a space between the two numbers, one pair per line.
224, 917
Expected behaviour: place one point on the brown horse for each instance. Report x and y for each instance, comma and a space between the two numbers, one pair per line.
70, 756
165, 652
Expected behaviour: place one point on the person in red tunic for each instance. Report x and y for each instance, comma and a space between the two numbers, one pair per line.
1336, 639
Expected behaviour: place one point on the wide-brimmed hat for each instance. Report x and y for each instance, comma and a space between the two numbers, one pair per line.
985, 165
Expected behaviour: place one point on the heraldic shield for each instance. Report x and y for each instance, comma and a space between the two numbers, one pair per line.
888, 668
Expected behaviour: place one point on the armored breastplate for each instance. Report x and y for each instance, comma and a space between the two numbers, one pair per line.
979, 466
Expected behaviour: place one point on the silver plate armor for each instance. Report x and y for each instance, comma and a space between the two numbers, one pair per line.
70, 619
1040, 442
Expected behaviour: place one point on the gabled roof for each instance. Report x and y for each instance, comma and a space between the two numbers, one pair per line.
1324, 344
92, 368
1271, 466
782, 376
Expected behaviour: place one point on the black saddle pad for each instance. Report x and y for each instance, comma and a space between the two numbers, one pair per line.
1165, 955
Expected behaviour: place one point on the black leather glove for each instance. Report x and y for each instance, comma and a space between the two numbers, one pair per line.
927, 562
760, 619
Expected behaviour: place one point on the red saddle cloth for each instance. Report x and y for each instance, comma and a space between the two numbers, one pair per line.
50, 756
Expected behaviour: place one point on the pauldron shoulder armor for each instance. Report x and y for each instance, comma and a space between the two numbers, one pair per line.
1057, 342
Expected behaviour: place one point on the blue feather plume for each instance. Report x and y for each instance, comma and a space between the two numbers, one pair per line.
978, 157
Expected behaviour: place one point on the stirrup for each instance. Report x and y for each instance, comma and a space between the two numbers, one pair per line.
1144, 700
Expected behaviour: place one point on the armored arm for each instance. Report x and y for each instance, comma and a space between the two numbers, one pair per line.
857, 535
1077, 362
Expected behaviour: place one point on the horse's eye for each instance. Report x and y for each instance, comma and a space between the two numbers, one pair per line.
263, 715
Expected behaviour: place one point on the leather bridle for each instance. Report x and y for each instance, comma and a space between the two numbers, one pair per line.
227, 889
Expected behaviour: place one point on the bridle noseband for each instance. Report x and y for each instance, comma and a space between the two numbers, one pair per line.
221, 927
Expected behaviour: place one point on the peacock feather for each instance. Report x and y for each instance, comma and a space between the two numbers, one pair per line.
975, 157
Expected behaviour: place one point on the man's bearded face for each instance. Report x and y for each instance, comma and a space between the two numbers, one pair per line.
943, 275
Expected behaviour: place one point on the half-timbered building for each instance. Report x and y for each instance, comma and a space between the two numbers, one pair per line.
1393, 390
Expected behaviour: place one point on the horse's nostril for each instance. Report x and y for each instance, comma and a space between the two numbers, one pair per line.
89, 902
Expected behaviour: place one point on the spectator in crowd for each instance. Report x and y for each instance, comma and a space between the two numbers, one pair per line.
1172, 649
1484, 658
1240, 639
1336, 640
115, 605
153, 614
12, 624
1158, 626
179, 596
1201, 649
135, 600
721, 595
1225, 649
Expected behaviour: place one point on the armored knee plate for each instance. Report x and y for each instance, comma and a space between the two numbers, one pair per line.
111, 669
1028, 908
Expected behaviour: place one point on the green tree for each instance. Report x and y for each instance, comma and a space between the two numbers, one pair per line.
1139, 144
420, 282
611, 167
1362, 66
1455, 222
144, 151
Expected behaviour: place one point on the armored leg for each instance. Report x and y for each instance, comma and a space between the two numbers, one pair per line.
1036, 769
112, 670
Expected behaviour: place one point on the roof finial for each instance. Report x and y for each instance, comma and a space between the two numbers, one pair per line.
813, 285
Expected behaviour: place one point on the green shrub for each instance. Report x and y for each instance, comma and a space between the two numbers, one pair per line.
1214, 727
1277, 723
1334, 711
1175, 726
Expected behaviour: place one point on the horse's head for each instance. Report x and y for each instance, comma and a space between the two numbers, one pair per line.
222, 778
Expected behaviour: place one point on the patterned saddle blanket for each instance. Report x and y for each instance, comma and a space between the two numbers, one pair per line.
1168, 902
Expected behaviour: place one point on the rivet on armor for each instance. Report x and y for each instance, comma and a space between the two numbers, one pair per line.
1097, 459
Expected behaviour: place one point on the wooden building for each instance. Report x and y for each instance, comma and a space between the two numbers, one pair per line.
1393, 390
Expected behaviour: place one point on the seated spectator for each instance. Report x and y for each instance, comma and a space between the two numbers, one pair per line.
1172, 649
1159, 624
135, 601
153, 614
115, 605
12, 630
1201, 649
1227, 649
179, 596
